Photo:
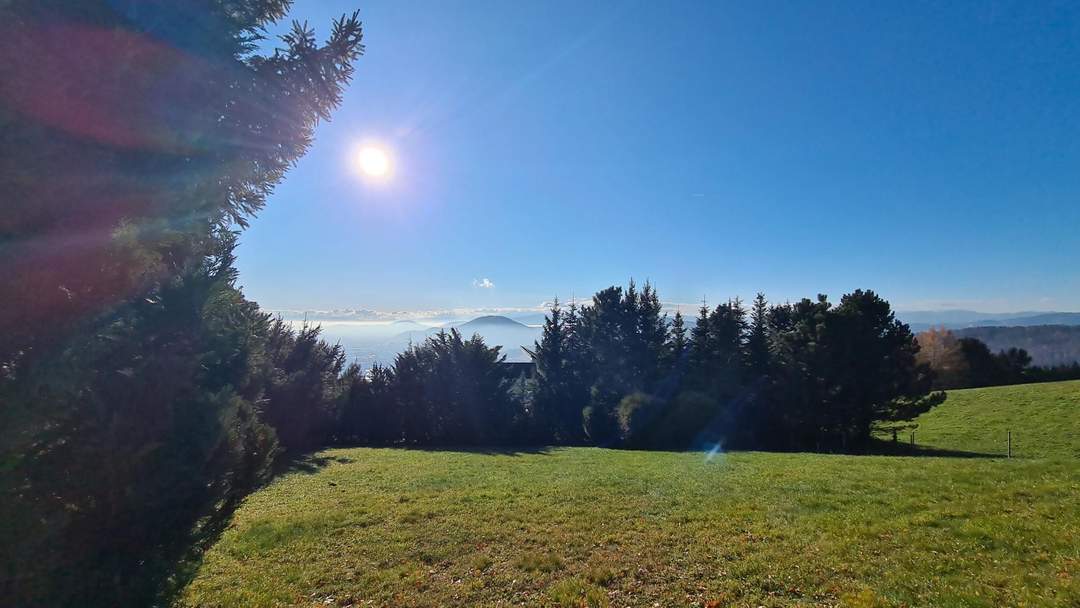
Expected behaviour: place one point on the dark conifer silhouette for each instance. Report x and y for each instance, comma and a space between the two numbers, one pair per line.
134, 377
757, 338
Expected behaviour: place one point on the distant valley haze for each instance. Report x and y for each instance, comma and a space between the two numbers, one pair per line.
368, 342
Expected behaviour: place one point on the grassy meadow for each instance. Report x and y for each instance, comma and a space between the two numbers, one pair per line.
1044, 420
593, 527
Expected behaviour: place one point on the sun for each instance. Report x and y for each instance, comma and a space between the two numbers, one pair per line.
373, 161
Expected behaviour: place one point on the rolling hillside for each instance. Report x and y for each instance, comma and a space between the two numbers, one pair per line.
1044, 420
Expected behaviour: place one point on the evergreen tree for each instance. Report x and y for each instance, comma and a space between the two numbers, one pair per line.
411, 369
757, 339
132, 370
700, 346
795, 404
727, 327
873, 377
578, 374
629, 338
456, 392
560, 396
304, 394
1013, 362
386, 421
605, 327
842, 372
550, 357
652, 327
677, 342
147, 425
356, 422
192, 129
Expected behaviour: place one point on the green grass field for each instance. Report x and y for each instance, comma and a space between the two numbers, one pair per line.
592, 527
1044, 420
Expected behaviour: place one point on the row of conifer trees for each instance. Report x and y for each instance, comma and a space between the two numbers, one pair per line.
619, 371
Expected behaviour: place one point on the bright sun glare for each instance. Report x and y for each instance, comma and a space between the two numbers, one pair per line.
373, 161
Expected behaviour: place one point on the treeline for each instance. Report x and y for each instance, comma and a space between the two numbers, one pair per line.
968, 362
619, 371
803, 375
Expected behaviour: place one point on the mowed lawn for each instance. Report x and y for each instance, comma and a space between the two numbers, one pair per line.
594, 527
1044, 420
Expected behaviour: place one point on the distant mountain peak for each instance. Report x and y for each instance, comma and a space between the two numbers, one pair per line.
493, 321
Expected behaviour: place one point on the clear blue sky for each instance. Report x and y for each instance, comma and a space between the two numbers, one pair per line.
928, 151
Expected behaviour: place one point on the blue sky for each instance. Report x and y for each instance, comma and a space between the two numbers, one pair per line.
929, 151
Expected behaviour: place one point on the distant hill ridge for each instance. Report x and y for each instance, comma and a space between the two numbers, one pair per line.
1049, 318
957, 319
1047, 344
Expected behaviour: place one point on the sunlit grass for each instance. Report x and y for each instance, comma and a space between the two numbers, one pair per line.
593, 527
1044, 420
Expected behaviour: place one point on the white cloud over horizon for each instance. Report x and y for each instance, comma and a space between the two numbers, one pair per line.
437, 316
366, 315
484, 283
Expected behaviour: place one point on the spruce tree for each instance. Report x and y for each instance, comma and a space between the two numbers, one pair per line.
727, 328
578, 374
550, 357
629, 337
757, 338
608, 332
701, 345
677, 342
653, 331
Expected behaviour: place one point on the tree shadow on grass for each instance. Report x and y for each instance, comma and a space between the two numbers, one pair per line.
877, 448
188, 558
486, 450
880, 447
183, 559
309, 463
312, 463
521, 450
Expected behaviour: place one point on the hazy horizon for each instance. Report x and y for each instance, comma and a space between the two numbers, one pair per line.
367, 315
